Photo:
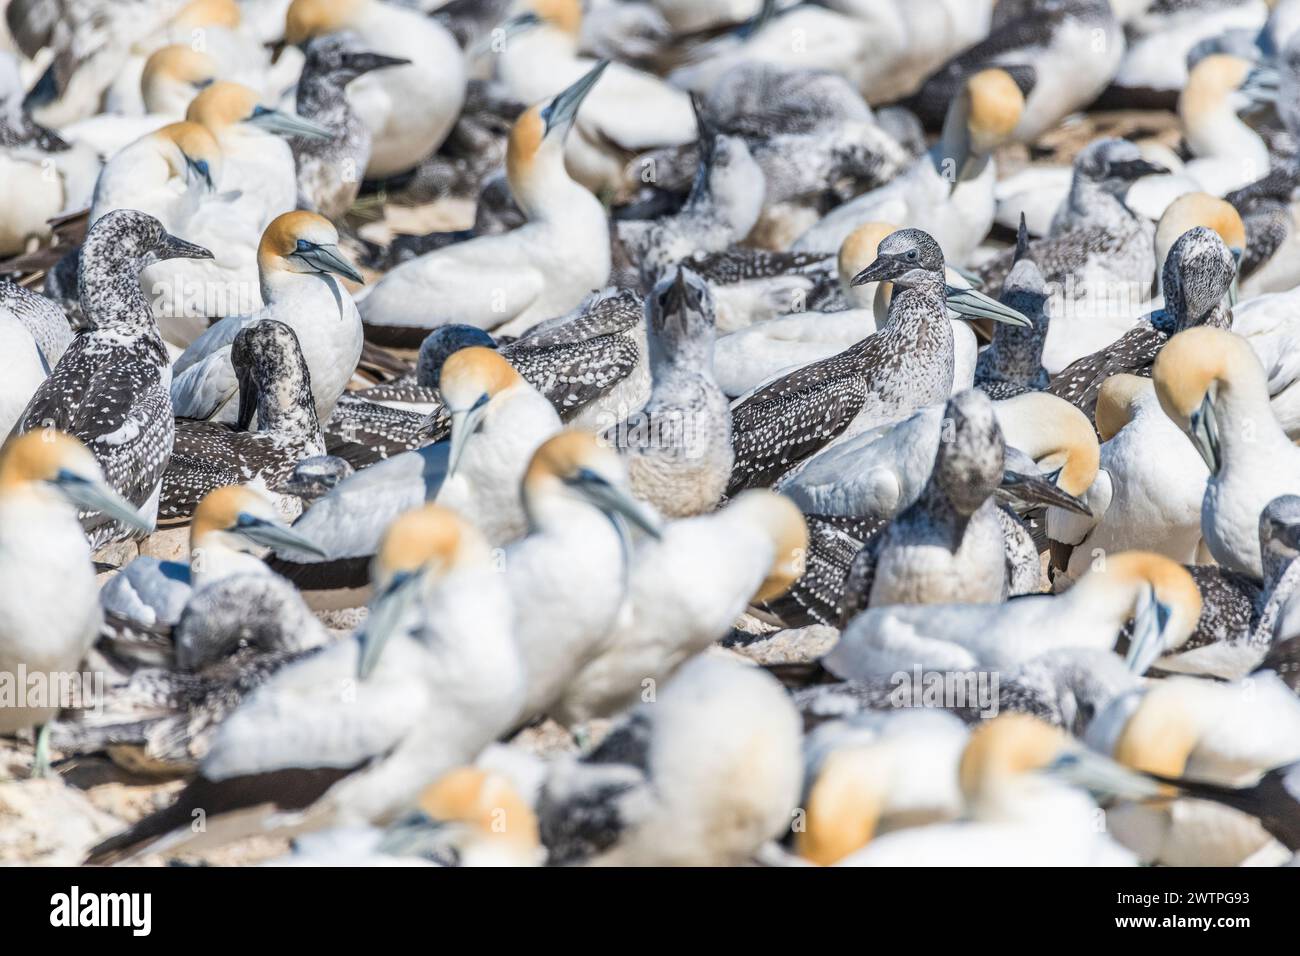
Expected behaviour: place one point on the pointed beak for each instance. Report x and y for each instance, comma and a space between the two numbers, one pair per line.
96, 496
173, 247
564, 108
617, 503
973, 304
1149, 624
1104, 777
286, 124
247, 397
201, 171
463, 426
1234, 290
885, 267
388, 611
1205, 434
1036, 490
328, 258
1131, 170
360, 63
272, 534
512, 27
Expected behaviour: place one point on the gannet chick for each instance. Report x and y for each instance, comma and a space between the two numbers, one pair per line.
110, 389
508, 282
1197, 276
1021, 782
443, 610
948, 192
165, 174
330, 171
1091, 614
274, 385
49, 608
882, 379
409, 109
298, 260
1013, 362
946, 547
678, 447
1205, 731
1147, 491
685, 592
1212, 386
704, 776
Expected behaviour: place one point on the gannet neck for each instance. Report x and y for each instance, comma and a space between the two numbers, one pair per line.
544, 190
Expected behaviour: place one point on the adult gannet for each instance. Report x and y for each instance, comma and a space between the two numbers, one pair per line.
22, 369
274, 390
166, 174
678, 447
881, 379
705, 775
1147, 491
1065, 53
685, 591
298, 260
508, 282
409, 109
1269, 323
441, 680
49, 611
110, 388
948, 192
330, 171
1212, 386
1157, 591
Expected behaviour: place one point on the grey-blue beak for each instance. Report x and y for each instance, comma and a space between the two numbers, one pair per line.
973, 304
559, 115
286, 124
328, 258
1149, 622
96, 496
388, 610
271, 534
1205, 434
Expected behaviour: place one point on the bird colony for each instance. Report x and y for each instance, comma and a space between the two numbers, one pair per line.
650, 432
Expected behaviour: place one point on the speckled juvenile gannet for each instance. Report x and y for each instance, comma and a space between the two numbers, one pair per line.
275, 392
508, 282
110, 389
706, 775
298, 262
447, 683
1200, 209
165, 174
1158, 592
1013, 362
409, 109
1212, 386
49, 609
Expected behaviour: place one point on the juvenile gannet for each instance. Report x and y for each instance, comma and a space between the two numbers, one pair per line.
684, 592
43, 319
1199, 209
409, 109
330, 171
1158, 592
165, 174
948, 192
705, 775
110, 389
1013, 362
1212, 386
883, 378
678, 447
274, 391
49, 609
508, 282
298, 260
446, 684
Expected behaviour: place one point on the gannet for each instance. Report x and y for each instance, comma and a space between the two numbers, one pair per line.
1147, 492
23, 370
330, 172
298, 260
508, 282
1269, 323
44, 320
110, 388
408, 109
749, 551
948, 192
881, 379
442, 680
1013, 362
49, 611
1199, 209
705, 775
274, 392
1157, 591
1212, 386
166, 174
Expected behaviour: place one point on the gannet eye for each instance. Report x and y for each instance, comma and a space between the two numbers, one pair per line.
911, 255
303, 245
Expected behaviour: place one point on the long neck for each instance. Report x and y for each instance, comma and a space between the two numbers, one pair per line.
286, 409
321, 98
546, 193
1247, 425
1222, 134
1091, 202
113, 300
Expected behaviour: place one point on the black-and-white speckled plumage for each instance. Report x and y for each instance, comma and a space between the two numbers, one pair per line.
41, 317
1197, 274
737, 265
886, 376
273, 374
1265, 210
363, 431
818, 596
1024, 565
1013, 362
111, 389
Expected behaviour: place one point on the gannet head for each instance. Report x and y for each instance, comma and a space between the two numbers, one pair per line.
784, 523
196, 157
129, 236
681, 319
969, 464
1113, 165
1165, 603
439, 344
575, 466
564, 15
1200, 209
1161, 732
240, 518
303, 243
468, 815
844, 803
1118, 401
224, 106
537, 138
208, 13
173, 75
51, 459
908, 257
996, 106
273, 376
1192, 371
470, 379
341, 57
1056, 435
1197, 275
1217, 85
305, 19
